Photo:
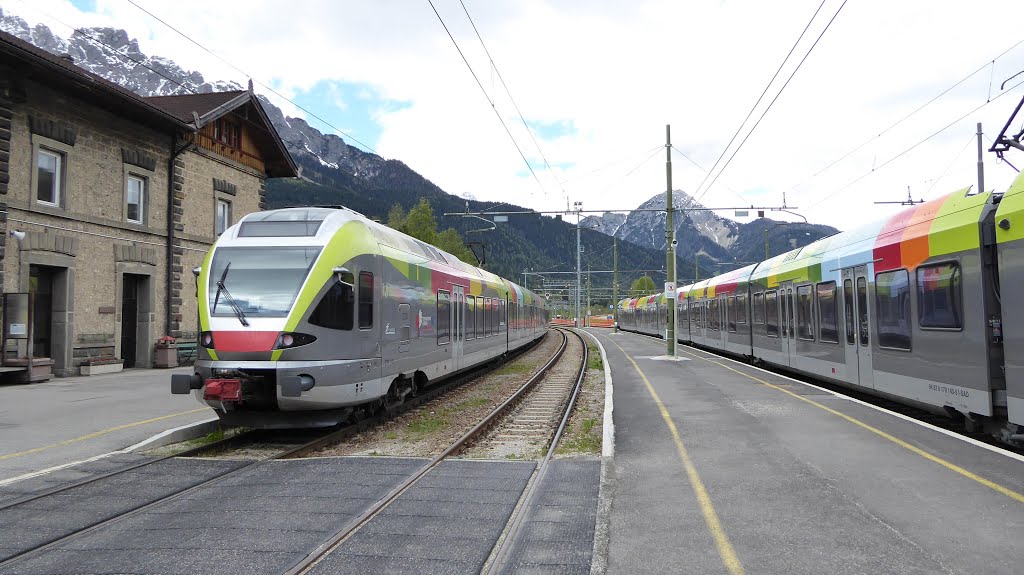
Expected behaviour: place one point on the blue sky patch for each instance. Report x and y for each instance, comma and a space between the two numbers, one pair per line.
552, 130
85, 5
351, 107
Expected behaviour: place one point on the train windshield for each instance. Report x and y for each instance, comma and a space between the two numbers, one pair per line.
262, 282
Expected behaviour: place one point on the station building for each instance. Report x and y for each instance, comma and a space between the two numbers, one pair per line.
115, 198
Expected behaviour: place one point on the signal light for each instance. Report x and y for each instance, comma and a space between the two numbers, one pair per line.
288, 340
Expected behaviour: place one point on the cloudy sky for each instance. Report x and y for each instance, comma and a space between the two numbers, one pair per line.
598, 80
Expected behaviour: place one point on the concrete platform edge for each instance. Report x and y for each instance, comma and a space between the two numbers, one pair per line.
608, 439
176, 435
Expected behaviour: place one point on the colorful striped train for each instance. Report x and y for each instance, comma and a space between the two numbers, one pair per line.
923, 308
312, 315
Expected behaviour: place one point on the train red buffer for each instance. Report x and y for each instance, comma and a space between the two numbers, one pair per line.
223, 390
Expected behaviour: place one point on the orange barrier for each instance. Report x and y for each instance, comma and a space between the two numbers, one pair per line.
601, 322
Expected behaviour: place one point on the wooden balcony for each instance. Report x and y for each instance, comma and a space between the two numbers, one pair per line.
207, 143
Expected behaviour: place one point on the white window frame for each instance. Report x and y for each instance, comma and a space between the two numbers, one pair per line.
58, 183
216, 216
143, 181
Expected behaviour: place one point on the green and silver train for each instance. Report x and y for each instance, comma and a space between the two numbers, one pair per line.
310, 315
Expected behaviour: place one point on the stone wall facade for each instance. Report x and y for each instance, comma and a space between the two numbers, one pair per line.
86, 245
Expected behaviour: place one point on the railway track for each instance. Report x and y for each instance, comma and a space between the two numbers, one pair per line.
118, 481
522, 398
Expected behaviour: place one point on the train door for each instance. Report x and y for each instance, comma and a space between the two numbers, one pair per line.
860, 323
788, 320
458, 324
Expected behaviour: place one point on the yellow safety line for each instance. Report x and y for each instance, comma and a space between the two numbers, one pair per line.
929, 456
725, 550
97, 434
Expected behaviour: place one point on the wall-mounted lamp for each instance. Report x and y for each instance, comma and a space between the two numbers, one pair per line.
16, 235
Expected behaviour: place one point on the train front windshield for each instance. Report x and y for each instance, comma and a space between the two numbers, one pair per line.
260, 281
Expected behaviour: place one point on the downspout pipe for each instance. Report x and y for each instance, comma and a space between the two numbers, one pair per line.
175, 152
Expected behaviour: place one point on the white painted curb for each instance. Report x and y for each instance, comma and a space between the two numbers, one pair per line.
183, 433
608, 440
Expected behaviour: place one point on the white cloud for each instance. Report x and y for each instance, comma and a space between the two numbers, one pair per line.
619, 72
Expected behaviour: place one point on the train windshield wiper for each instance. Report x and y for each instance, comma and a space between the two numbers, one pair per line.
227, 297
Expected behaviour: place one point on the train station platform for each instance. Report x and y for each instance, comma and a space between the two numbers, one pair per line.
721, 467
70, 419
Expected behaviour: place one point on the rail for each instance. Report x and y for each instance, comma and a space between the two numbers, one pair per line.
324, 549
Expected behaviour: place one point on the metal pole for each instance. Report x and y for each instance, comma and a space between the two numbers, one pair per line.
981, 164
578, 269
588, 296
615, 284
670, 256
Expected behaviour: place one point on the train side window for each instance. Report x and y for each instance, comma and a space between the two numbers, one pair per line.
828, 322
771, 313
480, 317
503, 320
741, 309
851, 329
892, 309
336, 309
940, 296
443, 319
862, 310
804, 318
470, 312
365, 300
730, 311
758, 305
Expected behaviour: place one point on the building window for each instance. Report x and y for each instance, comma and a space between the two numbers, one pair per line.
228, 133
940, 296
828, 320
892, 309
771, 313
444, 310
222, 216
49, 177
135, 198
365, 300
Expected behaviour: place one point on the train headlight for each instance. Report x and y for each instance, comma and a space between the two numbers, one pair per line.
206, 339
289, 340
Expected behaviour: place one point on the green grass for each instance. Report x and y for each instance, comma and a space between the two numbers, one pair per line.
428, 423
478, 402
594, 358
585, 439
512, 368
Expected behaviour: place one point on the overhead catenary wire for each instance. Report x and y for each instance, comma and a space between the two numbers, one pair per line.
501, 79
892, 126
263, 84
949, 166
908, 150
766, 110
760, 98
484, 90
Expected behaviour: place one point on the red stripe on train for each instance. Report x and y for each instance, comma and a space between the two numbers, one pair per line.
244, 340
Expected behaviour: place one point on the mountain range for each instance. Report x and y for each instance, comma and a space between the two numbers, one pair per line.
333, 172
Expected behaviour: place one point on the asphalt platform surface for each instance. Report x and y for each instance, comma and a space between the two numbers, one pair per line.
69, 419
761, 480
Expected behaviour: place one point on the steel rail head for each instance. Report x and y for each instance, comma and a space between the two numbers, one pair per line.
303, 565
